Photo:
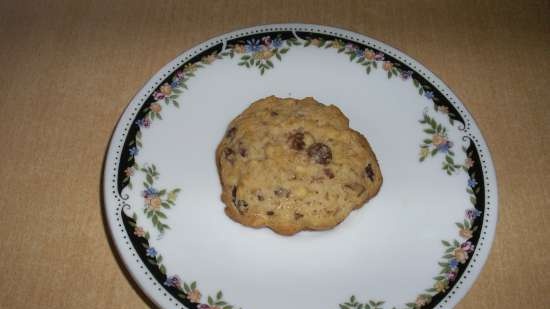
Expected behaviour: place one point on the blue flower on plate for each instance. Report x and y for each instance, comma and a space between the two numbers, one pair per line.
143, 123
174, 281
277, 42
175, 83
453, 263
406, 74
140, 122
253, 45
359, 52
429, 94
150, 192
472, 213
151, 252
444, 147
133, 151
472, 183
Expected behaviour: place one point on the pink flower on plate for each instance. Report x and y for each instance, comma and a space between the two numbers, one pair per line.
472, 213
451, 276
443, 109
129, 171
468, 163
146, 122
173, 281
180, 74
467, 246
158, 95
139, 231
387, 65
266, 40
379, 56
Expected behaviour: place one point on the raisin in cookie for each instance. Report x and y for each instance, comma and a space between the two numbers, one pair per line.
294, 165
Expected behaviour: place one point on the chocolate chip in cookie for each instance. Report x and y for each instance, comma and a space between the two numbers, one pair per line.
328, 172
369, 172
231, 133
242, 206
320, 153
294, 165
282, 192
229, 155
296, 141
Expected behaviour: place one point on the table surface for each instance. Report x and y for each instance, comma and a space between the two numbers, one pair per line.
70, 68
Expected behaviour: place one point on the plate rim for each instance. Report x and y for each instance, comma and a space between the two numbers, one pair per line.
113, 202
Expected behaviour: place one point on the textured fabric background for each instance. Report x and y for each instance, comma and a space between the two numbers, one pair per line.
70, 67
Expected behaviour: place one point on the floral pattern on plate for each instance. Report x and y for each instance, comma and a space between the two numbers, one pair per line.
258, 53
184, 291
438, 142
156, 200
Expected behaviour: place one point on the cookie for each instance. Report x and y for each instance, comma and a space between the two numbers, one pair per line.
294, 165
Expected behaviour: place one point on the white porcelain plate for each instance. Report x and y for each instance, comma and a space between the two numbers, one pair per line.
420, 243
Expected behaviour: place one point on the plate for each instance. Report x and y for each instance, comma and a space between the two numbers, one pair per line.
420, 243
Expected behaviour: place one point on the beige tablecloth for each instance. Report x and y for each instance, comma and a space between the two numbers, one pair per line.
70, 67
